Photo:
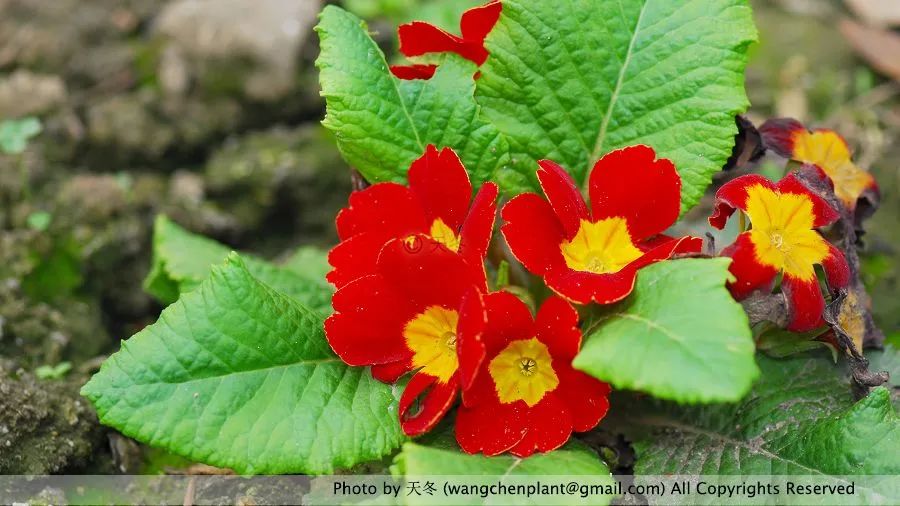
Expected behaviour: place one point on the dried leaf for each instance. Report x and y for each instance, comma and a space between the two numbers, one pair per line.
877, 46
876, 12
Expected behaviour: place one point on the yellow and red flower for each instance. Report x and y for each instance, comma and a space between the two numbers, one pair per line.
782, 239
594, 255
436, 203
825, 149
420, 310
526, 396
419, 38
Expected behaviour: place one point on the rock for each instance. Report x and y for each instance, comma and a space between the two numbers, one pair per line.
259, 45
292, 178
65, 35
125, 123
92, 198
142, 126
44, 331
45, 425
24, 94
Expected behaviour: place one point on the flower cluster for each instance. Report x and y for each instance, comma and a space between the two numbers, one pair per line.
413, 295
413, 299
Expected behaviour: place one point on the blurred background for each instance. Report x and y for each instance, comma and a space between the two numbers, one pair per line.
112, 111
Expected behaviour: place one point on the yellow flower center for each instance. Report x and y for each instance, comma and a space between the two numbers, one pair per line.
431, 336
443, 234
783, 233
600, 247
523, 371
829, 151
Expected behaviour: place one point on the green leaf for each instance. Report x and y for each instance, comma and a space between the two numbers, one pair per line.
181, 260
309, 262
573, 459
15, 133
777, 342
39, 221
678, 336
56, 273
799, 419
571, 80
383, 123
53, 372
237, 375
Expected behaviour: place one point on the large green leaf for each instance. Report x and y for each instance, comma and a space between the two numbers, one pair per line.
383, 123
799, 419
571, 80
678, 336
181, 260
574, 458
442, 459
237, 375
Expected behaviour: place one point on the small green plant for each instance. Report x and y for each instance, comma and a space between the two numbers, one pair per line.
15, 133
597, 125
53, 372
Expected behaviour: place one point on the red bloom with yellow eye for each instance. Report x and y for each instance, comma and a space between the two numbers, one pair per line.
782, 239
420, 310
594, 255
419, 38
825, 149
435, 203
526, 396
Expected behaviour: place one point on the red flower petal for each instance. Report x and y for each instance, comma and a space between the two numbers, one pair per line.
469, 346
533, 233
733, 195
586, 396
410, 72
824, 214
365, 334
489, 426
556, 326
805, 303
750, 275
440, 182
837, 271
549, 427
778, 135
391, 372
475, 235
389, 209
508, 319
435, 399
586, 287
477, 22
656, 240
354, 257
426, 272
374, 216
418, 38
563, 195
634, 184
